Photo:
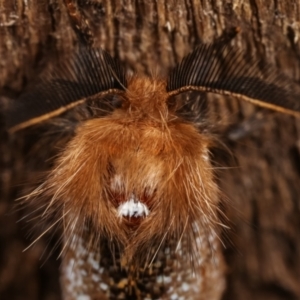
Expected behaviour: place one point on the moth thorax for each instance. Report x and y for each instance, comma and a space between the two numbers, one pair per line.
140, 177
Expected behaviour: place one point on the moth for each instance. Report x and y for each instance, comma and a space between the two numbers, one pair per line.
134, 191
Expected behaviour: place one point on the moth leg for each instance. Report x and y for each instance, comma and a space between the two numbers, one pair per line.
79, 22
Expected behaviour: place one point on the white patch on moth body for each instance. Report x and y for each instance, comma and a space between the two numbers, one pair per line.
69, 270
185, 287
174, 296
104, 286
93, 262
163, 279
133, 208
95, 277
83, 297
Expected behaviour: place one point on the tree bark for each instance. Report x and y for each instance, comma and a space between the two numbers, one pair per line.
261, 191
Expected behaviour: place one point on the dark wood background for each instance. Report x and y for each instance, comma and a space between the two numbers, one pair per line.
261, 185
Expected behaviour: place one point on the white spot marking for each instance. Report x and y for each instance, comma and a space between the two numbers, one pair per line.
83, 297
174, 296
163, 279
104, 286
95, 277
133, 208
185, 287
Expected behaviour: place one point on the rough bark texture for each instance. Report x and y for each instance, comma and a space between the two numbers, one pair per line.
262, 190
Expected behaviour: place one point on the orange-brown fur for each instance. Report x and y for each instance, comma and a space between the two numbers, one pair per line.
156, 155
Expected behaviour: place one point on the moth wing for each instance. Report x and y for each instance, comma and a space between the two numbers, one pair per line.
221, 69
88, 73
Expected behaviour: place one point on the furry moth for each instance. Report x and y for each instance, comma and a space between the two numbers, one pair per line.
134, 191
